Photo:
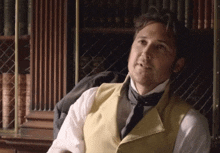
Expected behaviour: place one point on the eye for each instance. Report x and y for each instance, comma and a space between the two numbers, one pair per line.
142, 42
161, 47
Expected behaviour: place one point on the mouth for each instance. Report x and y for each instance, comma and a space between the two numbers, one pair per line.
145, 66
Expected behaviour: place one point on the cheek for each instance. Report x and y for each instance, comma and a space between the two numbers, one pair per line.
132, 56
164, 65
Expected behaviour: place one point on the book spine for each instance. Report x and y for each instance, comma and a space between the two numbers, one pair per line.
120, 13
21, 98
7, 100
29, 16
23, 16
151, 3
28, 94
166, 4
188, 13
111, 13
102, 11
181, 11
159, 4
207, 18
128, 14
1, 17
94, 14
201, 13
9, 22
0, 100
144, 6
86, 9
195, 14
173, 6
212, 14
136, 9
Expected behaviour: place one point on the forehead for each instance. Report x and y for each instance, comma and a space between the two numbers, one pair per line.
157, 31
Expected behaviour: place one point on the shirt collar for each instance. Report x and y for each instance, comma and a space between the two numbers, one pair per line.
159, 88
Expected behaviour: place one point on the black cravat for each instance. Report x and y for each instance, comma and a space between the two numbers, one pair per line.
137, 112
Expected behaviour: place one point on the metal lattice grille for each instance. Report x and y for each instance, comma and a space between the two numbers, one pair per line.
104, 52
7, 81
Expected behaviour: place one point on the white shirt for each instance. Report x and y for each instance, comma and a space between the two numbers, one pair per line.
193, 135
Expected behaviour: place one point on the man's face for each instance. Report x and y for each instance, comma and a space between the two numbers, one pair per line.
152, 55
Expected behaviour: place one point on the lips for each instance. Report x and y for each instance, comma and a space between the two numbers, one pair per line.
143, 65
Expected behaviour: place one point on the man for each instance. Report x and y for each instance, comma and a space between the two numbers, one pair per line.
123, 117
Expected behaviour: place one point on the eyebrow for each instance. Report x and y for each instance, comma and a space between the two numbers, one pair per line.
161, 41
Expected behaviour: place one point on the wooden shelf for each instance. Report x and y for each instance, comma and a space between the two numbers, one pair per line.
23, 37
107, 30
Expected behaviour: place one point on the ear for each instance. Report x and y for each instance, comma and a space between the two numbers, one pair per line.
179, 65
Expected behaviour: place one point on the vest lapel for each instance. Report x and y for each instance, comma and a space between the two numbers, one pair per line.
151, 121
109, 113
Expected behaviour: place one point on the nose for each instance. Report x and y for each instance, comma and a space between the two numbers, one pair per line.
147, 52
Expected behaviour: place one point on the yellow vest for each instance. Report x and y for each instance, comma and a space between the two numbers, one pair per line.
155, 133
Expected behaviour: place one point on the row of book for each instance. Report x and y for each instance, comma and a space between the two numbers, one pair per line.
7, 99
195, 14
7, 17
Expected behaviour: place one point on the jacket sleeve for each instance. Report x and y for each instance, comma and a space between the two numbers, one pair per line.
70, 136
62, 107
193, 135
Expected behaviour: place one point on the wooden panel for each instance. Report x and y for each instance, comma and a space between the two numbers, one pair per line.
48, 53
7, 150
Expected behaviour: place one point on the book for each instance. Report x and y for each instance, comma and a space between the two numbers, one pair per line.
173, 6
29, 16
144, 6
207, 17
1, 17
212, 14
136, 9
86, 9
159, 4
111, 13
188, 13
0, 100
201, 13
151, 3
102, 12
94, 14
128, 14
9, 17
28, 94
23, 17
120, 13
166, 4
21, 98
195, 14
8, 100
181, 11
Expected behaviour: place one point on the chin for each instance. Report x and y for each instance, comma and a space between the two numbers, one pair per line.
140, 77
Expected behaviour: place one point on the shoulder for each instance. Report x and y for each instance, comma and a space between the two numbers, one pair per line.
193, 135
193, 119
109, 88
85, 101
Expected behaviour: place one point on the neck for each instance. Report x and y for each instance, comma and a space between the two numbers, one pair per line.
143, 90
146, 90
